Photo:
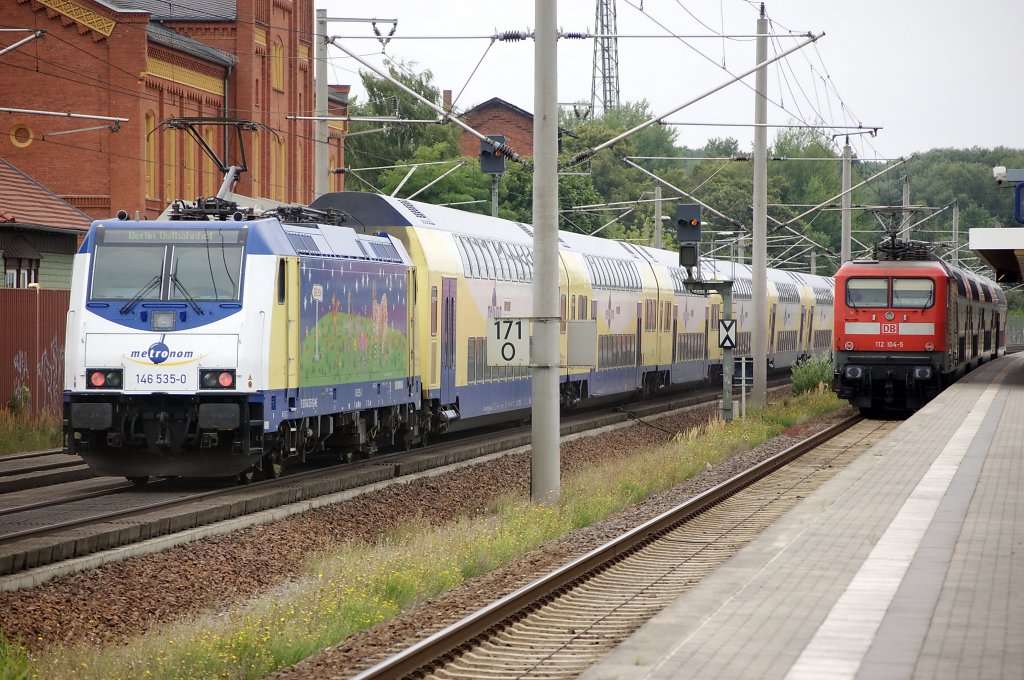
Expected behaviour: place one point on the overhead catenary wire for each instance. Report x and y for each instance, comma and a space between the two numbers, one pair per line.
502, 147
588, 153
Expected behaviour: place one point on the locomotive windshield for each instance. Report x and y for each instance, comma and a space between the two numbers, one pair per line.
913, 293
168, 264
906, 293
865, 292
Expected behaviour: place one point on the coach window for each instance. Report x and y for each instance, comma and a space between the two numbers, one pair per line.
280, 281
503, 263
913, 293
433, 311
863, 292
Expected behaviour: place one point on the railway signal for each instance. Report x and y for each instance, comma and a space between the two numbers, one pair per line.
688, 235
492, 158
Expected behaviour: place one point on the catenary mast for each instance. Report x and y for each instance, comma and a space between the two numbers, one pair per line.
604, 89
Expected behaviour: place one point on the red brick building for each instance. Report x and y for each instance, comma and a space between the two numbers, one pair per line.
147, 61
498, 117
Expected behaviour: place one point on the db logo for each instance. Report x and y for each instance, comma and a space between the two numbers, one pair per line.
889, 328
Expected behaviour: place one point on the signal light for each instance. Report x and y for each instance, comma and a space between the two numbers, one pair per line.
688, 223
104, 378
492, 158
217, 379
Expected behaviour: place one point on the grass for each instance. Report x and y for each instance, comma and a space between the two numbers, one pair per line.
22, 432
361, 584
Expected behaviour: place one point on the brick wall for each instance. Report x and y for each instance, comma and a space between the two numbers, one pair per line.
84, 66
497, 119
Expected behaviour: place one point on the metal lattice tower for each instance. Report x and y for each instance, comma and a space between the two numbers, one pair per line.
604, 90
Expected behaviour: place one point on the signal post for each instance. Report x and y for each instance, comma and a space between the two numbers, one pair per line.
688, 225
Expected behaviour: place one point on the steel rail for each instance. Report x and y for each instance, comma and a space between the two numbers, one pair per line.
425, 655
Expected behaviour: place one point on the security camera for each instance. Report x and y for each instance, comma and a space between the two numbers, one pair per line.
999, 172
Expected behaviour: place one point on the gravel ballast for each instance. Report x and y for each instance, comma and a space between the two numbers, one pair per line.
121, 600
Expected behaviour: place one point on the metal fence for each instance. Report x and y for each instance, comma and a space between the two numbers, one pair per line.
33, 322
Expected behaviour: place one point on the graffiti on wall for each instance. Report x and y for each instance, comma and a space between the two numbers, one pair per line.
32, 349
43, 390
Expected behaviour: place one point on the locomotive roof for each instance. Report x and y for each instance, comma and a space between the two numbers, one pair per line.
856, 266
269, 235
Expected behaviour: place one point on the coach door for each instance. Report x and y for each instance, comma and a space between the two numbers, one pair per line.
448, 288
290, 296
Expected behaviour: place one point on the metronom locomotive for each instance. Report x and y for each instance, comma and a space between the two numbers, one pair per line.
230, 344
907, 325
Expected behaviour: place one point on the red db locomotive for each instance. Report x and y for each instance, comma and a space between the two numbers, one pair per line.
907, 325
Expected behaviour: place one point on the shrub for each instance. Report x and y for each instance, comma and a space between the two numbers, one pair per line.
21, 401
808, 375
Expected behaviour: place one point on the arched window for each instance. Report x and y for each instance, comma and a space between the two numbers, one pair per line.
254, 167
277, 65
170, 139
210, 185
276, 190
151, 169
301, 193
189, 171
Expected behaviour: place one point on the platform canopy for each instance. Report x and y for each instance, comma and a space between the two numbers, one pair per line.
1002, 250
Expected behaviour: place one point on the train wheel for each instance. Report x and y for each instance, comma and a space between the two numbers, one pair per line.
138, 481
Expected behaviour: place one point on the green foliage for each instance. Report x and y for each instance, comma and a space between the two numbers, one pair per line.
813, 374
14, 661
21, 401
21, 431
938, 177
382, 144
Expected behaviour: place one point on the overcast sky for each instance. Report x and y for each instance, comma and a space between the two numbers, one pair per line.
930, 73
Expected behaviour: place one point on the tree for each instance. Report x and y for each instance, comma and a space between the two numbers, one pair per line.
380, 144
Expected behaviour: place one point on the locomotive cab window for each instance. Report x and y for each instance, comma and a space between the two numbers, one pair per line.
913, 293
168, 264
865, 292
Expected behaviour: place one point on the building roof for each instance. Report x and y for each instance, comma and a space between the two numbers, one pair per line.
162, 35
24, 201
207, 10
498, 101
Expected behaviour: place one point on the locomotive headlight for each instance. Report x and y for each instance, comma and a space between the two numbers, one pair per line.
162, 321
853, 372
217, 378
848, 345
922, 372
929, 346
104, 378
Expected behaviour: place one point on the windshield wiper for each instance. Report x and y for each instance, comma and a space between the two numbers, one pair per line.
153, 283
184, 293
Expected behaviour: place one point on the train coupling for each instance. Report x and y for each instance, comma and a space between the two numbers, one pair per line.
447, 416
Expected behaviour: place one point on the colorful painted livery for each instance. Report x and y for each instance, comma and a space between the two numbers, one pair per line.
202, 347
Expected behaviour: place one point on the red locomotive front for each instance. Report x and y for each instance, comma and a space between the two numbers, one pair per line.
891, 333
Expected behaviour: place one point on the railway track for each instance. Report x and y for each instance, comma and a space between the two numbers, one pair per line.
40, 468
562, 623
40, 539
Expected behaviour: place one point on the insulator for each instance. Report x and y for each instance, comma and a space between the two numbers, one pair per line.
512, 36
576, 35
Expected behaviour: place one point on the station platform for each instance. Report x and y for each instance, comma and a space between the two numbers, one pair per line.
907, 564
